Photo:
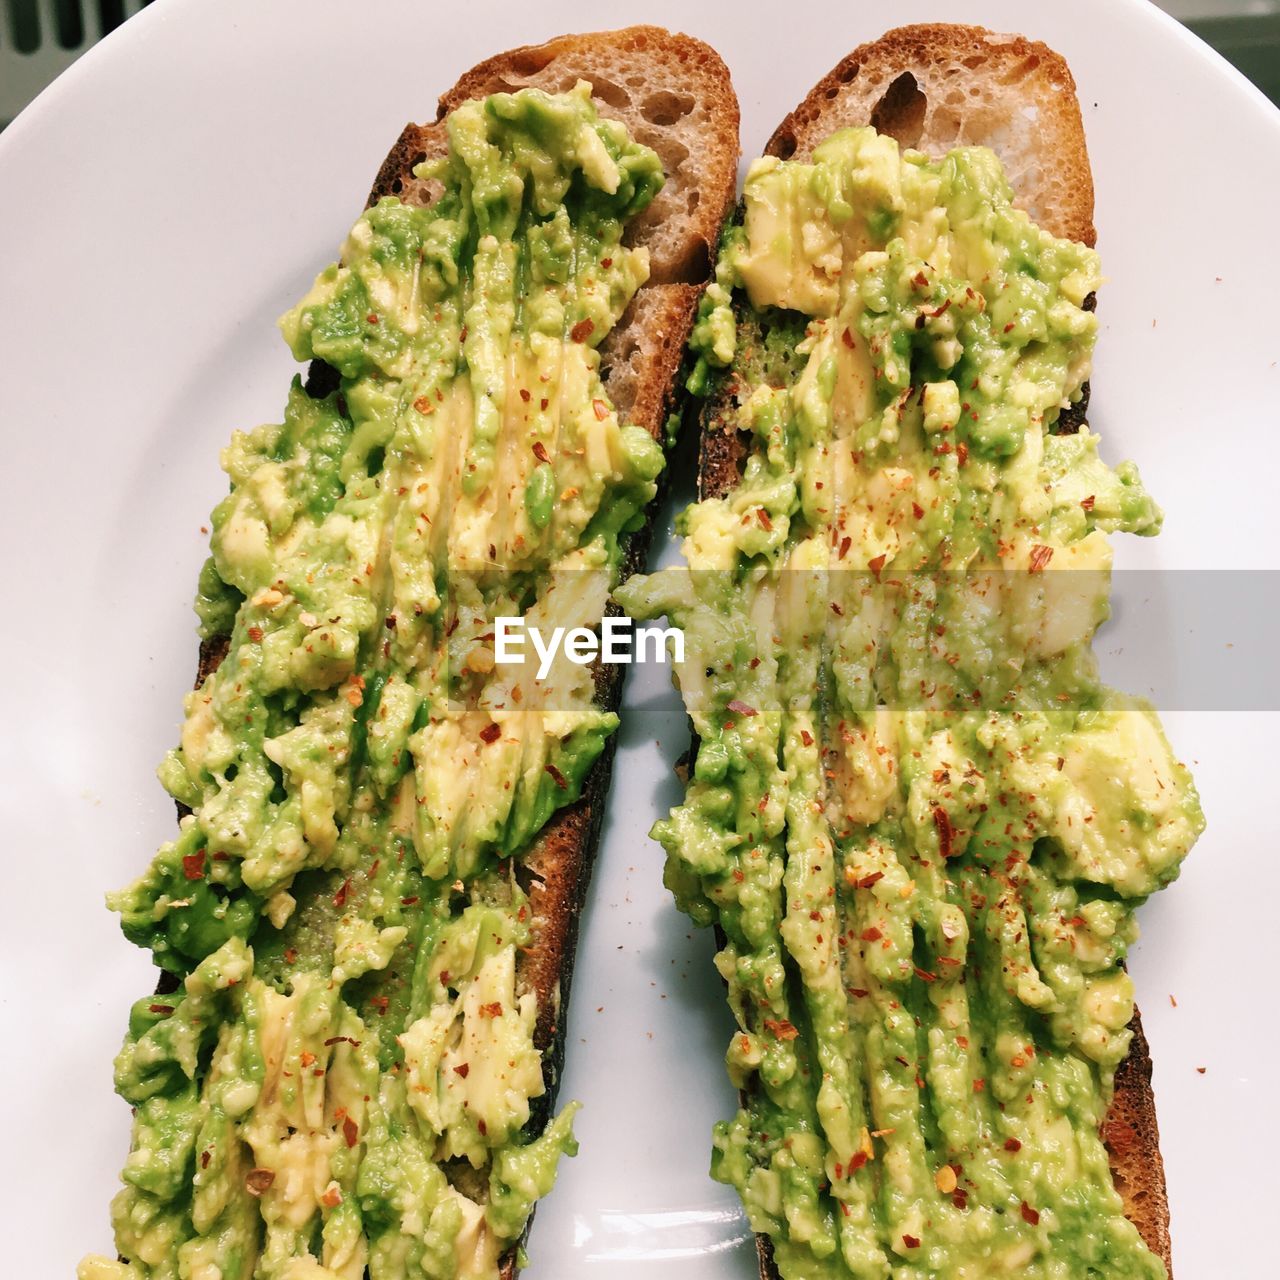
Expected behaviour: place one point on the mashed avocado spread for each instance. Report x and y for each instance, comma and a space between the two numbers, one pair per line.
341, 1081
919, 821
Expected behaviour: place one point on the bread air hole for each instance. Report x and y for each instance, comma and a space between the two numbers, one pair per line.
605, 90
901, 110
664, 108
528, 62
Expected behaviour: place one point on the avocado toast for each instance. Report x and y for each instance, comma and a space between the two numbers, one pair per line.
366, 923
916, 820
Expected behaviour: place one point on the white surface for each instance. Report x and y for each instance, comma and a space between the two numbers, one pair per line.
164, 201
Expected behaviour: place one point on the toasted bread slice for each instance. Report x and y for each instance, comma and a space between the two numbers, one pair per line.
934, 87
674, 95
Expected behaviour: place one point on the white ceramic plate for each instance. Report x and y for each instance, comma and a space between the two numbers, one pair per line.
164, 201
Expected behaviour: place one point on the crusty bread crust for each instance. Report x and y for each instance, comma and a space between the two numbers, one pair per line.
674, 94
938, 86
934, 87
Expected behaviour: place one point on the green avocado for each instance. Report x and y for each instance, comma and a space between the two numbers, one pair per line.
919, 820
344, 1077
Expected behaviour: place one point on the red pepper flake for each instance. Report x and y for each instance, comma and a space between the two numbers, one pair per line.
924, 975
331, 1198
781, 1028
942, 824
204, 1158
159, 1008
258, 1181
524, 394
875, 565
941, 311
462, 335
491, 732
484, 1128
1012, 1144
1009, 327
871, 878
1030, 1215
859, 993
1087, 503
542, 404
290, 955
380, 1003
255, 634
962, 453
962, 1041
372, 317
582, 330
979, 1086
871, 934
540, 451
1040, 556
409, 902
557, 777
350, 1131
606, 263
491, 1010
462, 1070
340, 898
739, 875
193, 865
857, 1160
741, 708
917, 510
762, 517
600, 409
912, 1242
423, 405
847, 338
806, 737
961, 1198
306, 1058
